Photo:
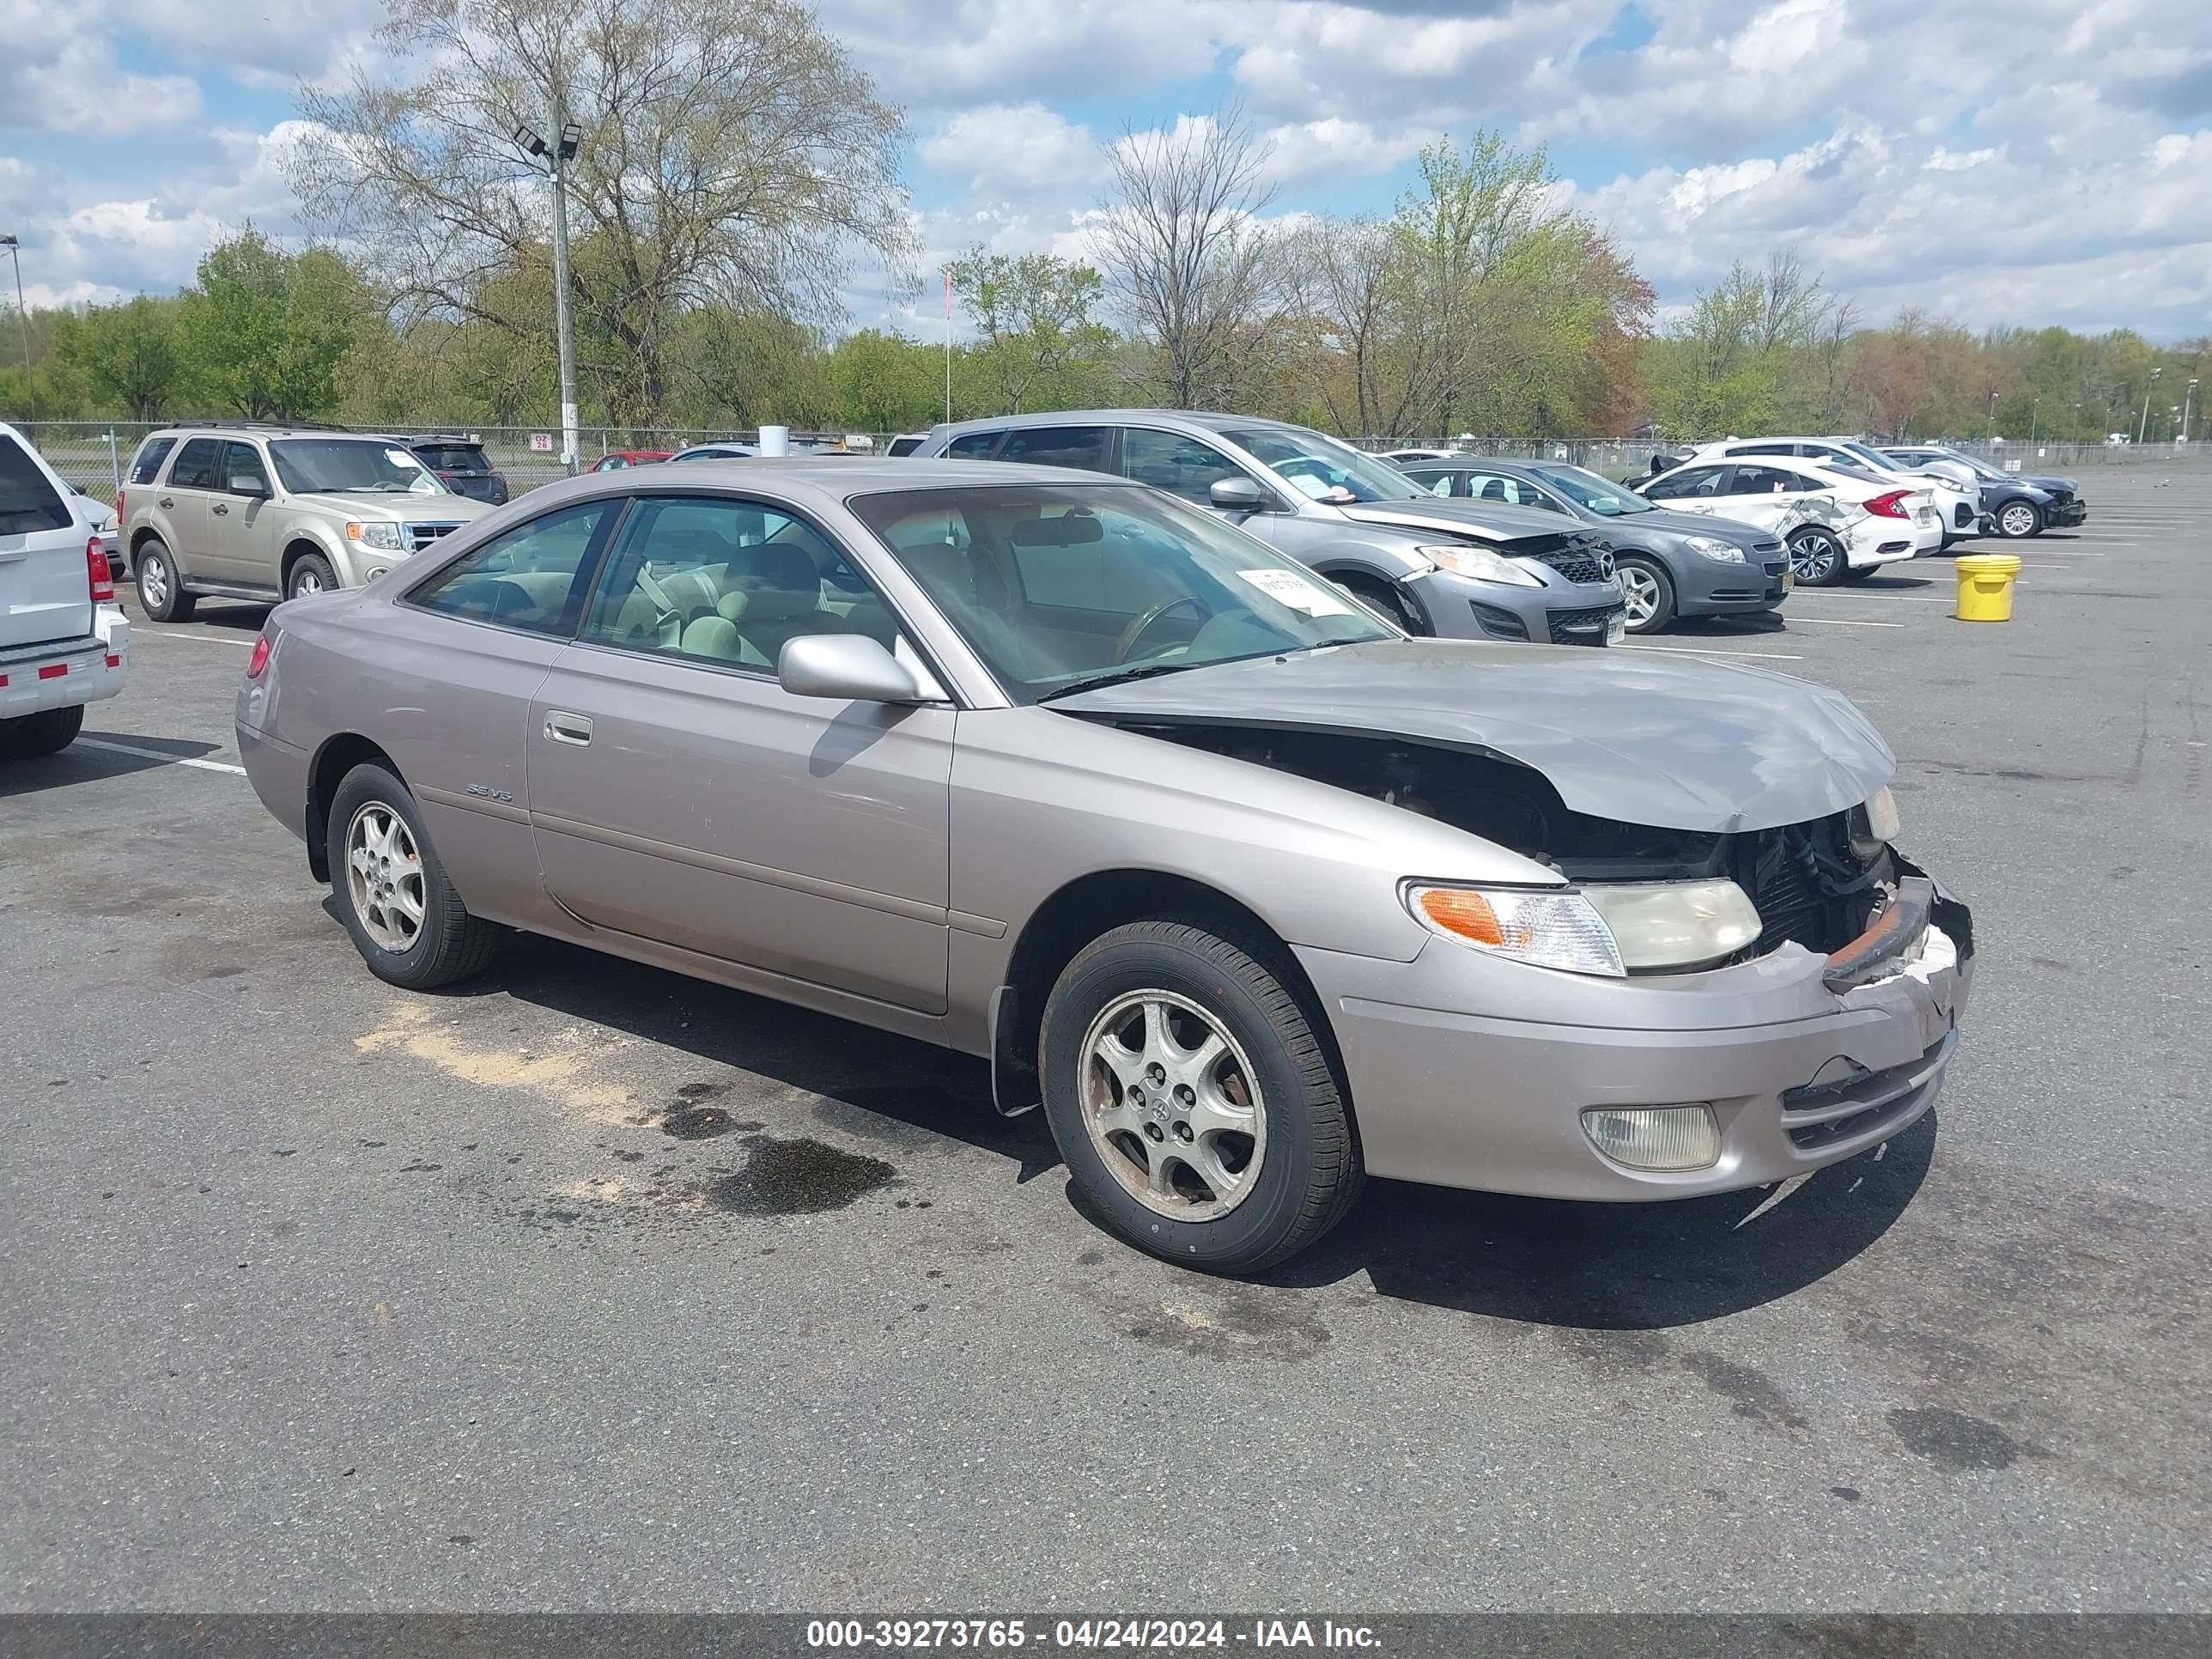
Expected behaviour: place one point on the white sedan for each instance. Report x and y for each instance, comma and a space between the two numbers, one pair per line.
1839, 522
1958, 507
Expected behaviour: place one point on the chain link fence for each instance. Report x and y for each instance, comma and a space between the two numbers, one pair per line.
93, 455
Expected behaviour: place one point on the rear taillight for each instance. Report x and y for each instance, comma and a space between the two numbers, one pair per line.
1887, 506
259, 660
118, 509
96, 568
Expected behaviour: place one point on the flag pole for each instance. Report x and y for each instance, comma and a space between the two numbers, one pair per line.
948, 342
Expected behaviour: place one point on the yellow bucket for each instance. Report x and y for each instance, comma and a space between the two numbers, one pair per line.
1985, 586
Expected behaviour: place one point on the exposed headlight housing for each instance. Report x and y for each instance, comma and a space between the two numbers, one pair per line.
1728, 552
382, 533
1874, 826
1547, 927
1480, 564
1674, 924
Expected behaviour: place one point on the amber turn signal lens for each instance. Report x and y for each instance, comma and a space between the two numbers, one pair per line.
1458, 911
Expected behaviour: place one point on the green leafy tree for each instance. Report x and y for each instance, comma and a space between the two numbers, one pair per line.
1038, 346
127, 355
265, 330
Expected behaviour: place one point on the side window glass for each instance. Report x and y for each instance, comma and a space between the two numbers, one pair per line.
1182, 466
728, 582
1697, 481
147, 465
1058, 446
972, 446
196, 464
1765, 481
1763, 449
531, 578
1439, 485
1489, 487
242, 461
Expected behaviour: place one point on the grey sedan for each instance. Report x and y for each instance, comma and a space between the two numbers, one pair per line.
1250, 892
1671, 564
1457, 570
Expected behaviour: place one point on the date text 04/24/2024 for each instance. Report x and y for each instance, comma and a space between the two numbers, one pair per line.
1003, 1635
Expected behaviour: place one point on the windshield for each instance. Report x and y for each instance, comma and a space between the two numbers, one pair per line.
359, 466
1981, 468
1601, 496
1060, 588
1874, 459
1325, 470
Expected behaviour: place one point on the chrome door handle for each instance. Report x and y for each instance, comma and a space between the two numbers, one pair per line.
220, 507
568, 728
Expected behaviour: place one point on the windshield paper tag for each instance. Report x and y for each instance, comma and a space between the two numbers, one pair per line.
401, 458
1299, 592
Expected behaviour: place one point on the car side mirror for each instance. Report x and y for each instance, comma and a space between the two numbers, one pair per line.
245, 484
848, 667
1237, 495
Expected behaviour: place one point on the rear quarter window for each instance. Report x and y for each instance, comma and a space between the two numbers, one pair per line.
452, 457
146, 466
973, 446
28, 500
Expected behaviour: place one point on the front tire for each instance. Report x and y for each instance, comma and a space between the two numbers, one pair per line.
161, 595
49, 732
1817, 557
1649, 593
1380, 596
1194, 1100
407, 921
2017, 520
310, 574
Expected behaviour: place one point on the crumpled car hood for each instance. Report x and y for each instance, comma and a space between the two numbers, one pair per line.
1489, 521
1635, 736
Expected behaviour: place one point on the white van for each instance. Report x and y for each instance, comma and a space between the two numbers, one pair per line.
63, 641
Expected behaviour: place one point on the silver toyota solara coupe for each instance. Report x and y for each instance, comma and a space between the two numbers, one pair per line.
1251, 892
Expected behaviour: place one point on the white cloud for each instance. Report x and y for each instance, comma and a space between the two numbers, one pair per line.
1335, 147
1017, 149
54, 78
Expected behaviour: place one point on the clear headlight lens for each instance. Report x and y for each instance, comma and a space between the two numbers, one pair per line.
1482, 564
384, 534
1874, 825
1725, 552
1674, 924
1546, 929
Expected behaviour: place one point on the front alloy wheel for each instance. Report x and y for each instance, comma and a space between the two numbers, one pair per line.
1173, 1105
2019, 518
1816, 558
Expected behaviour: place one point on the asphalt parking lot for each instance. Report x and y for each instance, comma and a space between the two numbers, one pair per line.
593, 1287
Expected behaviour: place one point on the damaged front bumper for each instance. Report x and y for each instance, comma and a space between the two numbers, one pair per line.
1470, 1070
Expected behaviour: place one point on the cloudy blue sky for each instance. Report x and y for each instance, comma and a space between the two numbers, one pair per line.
1997, 161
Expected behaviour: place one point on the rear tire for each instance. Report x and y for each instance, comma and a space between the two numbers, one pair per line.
1649, 590
1187, 1185
160, 595
1817, 557
49, 732
1379, 596
407, 921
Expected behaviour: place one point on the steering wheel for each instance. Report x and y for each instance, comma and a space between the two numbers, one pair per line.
1138, 625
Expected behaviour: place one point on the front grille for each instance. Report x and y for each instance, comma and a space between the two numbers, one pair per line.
1581, 627
1862, 1101
1807, 884
420, 536
1499, 622
1578, 561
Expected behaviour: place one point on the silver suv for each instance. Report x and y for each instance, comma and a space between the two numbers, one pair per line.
1459, 570
266, 513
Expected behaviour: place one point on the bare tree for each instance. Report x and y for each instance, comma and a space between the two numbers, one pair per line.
729, 153
1183, 248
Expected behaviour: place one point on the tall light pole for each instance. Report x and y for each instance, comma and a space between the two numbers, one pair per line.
2188, 397
23, 316
2143, 425
557, 157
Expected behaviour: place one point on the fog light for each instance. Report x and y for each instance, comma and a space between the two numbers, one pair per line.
1656, 1137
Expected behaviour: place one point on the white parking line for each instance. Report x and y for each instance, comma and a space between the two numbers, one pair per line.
158, 755
1693, 651
137, 627
1844, 621
1875, 595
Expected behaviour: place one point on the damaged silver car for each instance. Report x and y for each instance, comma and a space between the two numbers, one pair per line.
1251, 892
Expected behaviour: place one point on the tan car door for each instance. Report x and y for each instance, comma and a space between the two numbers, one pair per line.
241, 535
679, 794
182, 503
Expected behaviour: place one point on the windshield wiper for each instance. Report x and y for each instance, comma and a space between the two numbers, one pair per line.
1118, 676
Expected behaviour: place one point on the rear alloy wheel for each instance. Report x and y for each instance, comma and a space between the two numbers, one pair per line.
1816, 557
1649, 593
2018, 520
407, 921
1193, 1099
46, 733
160, 594
311, 574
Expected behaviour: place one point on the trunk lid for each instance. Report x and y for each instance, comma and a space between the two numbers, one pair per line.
46, 586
